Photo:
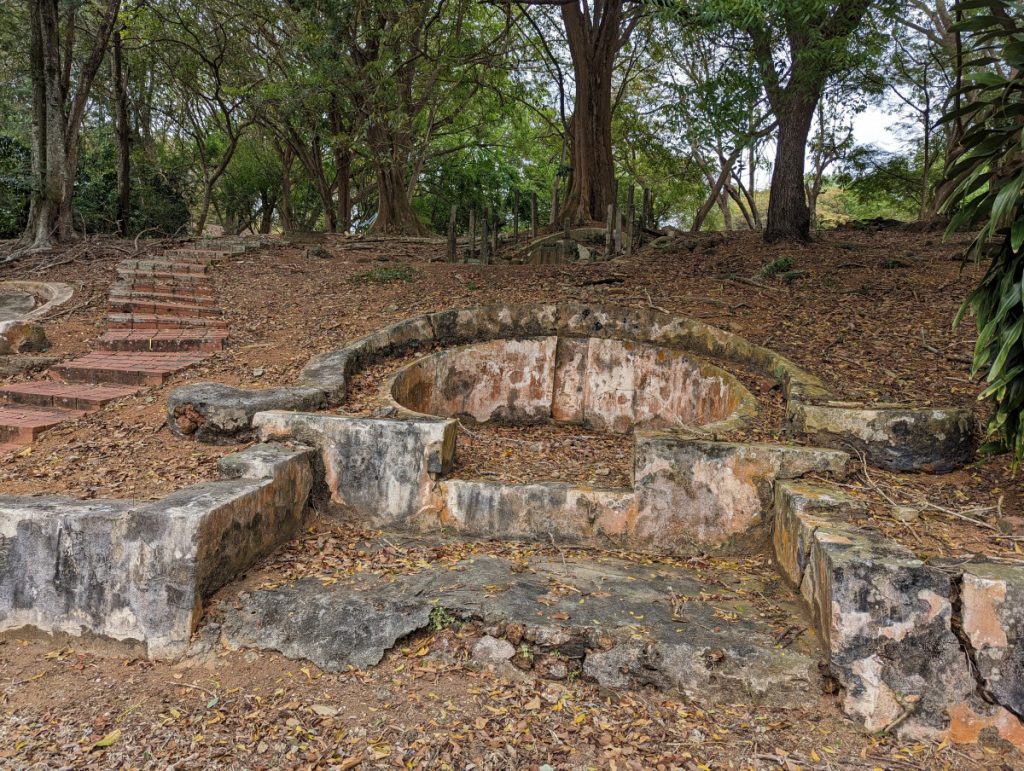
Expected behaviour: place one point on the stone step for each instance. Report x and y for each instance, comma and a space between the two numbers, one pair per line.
71, 396
171, 272
163, 286
164, 266
154, 307
125, 367
155, 322
122, 294
163, 340
23, 423
9, 448
193, 257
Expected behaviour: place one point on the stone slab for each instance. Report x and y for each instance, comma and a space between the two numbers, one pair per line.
885, 619
992, 602
894, 438
623, 624
213, 412
800, 508
541, 511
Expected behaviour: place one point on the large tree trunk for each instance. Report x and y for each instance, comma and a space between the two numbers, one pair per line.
55, 119
592, 176
789, 217
287, 158
123, 136
394, 210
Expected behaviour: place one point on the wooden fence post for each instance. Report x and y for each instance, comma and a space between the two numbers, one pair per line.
515, 217
533, 214
452, 248
472, 235
630, 220
609, 232
485, 242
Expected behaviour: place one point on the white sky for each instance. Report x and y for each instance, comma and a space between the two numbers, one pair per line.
875, 127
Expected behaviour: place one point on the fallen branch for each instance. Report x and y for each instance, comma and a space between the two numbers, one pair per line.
937, 352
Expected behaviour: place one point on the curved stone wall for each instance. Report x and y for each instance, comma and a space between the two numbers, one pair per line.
901, 438
604, 384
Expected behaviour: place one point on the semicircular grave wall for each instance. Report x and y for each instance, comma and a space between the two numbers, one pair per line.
604, 384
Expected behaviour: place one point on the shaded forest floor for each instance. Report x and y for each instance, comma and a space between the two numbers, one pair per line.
872, 317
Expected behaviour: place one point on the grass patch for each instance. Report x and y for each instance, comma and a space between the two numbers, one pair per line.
775, 267
383, 275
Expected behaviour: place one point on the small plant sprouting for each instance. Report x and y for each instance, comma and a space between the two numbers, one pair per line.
382, 275
775, 267
441, 619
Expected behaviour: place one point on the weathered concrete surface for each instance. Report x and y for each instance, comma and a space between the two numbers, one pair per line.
542, 511
213, 412
507, 381
714, 494
895, 438
53, 294
608, 385
992, 603
15, 303
381, 472
636, 625
799, 509
886, 621
141, 572
330, 371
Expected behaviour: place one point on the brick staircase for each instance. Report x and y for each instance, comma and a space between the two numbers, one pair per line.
162, 318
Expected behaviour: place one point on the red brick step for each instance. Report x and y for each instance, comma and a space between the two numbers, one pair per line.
125, 367
164, 308
163, 340
22, 424
154, 322
72, 396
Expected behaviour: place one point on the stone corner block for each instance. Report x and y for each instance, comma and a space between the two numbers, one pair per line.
885, 619
897, 438
382, 471
221, 414
716, 494
800, 508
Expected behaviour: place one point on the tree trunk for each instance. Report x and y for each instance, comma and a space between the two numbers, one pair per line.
287, 157
593, 49
123, 136
394, 210
56, 120
788, 214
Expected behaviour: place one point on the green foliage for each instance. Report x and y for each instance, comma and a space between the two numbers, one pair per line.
441, 619
990, 177
382, 275
775, 267
15, 186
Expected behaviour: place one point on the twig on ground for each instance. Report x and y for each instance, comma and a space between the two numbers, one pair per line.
950, 356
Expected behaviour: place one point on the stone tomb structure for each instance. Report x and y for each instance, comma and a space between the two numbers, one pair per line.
925, 650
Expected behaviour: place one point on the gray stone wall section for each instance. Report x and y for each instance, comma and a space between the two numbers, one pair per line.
886, 620
897, 438
217, 413
715, 494
380, 472
141, 572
